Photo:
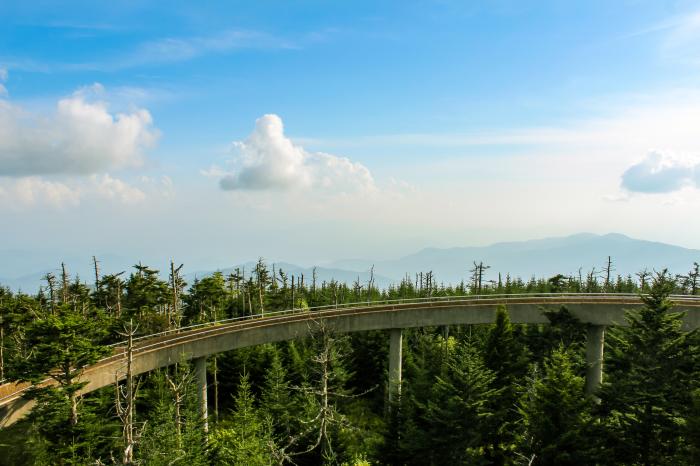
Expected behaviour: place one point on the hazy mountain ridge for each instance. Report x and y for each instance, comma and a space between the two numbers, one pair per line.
545, 257
541, 257
322, 273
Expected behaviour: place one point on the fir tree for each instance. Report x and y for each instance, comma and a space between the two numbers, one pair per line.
651, 371
246, 438
508, 359
458, 410
556, 415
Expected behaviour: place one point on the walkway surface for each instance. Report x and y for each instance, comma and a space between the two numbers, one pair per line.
167, 348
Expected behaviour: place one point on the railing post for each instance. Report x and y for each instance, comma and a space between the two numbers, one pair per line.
595, 343
395, 342
200, 371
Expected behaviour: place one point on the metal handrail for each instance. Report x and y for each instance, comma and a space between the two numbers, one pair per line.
365, 304
213, 326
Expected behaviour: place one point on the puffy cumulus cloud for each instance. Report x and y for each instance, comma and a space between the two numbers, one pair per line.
80, 137
661, 173
268, 160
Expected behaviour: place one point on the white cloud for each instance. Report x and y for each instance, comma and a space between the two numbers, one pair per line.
683, 38
178, 49
3, 77
37, 191
268, 160
81, 137
163, 186
115, 189
34, 190
660, 173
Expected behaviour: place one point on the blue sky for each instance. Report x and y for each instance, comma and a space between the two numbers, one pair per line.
311, 131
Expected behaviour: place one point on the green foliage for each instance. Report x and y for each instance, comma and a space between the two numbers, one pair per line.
245, 438
61, 345
170, 431
448, 426
498, 394
652, 372
555, 415
508, 359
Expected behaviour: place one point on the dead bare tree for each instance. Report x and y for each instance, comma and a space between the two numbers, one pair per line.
323, 394
643, 275
126, 398
216, 389
692, 279
478, 276
176, 284
178, 387
51, 282
96, 265
64, 283
2, 344
608, 269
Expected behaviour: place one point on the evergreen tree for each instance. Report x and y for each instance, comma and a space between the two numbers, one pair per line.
171, 431
556, 416
691, 455
651, 374
62, 345
458, 410
278, 401
246, 438
508, 359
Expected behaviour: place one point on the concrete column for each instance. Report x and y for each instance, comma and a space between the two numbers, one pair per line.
395, 341
200, 372
595, 342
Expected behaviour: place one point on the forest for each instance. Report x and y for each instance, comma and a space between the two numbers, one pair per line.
499, 394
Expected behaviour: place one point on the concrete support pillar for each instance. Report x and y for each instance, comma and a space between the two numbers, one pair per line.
200, 372
595, 342
395, 341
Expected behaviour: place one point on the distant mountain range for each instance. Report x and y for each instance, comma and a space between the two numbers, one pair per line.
540, 258
322, 273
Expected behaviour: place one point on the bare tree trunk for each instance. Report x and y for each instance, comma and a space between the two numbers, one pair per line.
179, 390
608, 269
97, 273
73, 398
51, 282
119, 298
292, 292
125, 409
174, 285
64, 283
2, 351
216, 390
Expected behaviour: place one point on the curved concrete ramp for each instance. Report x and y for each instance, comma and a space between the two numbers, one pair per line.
169, 348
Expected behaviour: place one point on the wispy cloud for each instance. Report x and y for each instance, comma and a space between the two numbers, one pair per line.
665, 120
679, 37
178, 49
3, 77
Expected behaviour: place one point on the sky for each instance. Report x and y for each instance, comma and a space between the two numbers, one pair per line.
218, 132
